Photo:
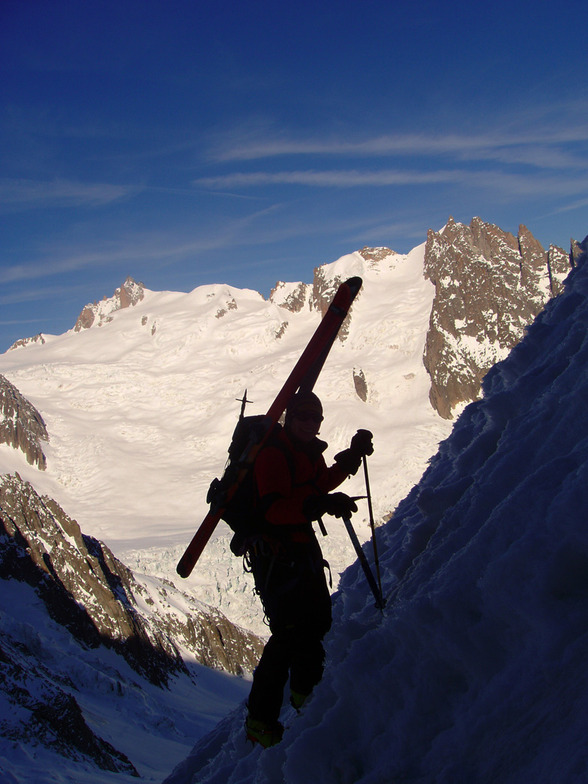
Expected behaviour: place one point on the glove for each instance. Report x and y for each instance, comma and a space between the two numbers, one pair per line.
335, 504
362, 442
361, 445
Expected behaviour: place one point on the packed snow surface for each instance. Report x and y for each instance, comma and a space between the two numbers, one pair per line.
475, 673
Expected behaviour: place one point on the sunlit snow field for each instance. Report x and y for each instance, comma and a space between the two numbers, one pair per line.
140, 412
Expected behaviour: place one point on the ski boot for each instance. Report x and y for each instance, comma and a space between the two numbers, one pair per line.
297, 700
265, 733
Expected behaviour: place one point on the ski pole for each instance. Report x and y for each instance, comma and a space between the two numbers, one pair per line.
380, 601
372, 525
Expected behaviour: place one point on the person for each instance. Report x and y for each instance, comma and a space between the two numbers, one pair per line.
294, 487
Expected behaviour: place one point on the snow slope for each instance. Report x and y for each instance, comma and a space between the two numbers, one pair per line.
148, 724
476, 671
140, 411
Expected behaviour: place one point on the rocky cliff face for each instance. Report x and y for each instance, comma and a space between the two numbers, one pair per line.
53, 577
489, 286
21, 425
578, 251
291, 296
318, 296
98, 313
40, 339
98, 599
40, 710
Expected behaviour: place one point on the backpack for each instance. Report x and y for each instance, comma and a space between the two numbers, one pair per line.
242, 512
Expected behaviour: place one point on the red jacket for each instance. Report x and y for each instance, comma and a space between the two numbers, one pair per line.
285, 482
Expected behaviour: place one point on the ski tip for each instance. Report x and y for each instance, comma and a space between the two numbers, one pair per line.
345, 295
183, 569
354, 284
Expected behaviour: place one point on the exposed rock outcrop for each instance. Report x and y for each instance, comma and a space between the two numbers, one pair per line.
95, 596
56, 580
489, 286
323, 291
21, 425
324, 288
578, 251
42, 712
231, 304
98, 313
375, 255
291, 296
360, 384
40, 339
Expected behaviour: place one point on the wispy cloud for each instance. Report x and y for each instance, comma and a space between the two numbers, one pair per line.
40, 294
576, 205
504, 181
70, 260
329, 178
24, 194
526, 152
17, 322
459, 145
47, 267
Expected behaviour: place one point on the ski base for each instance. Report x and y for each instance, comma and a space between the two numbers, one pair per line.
303, 376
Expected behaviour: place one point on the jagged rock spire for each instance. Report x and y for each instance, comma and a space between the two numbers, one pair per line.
489, 286
21, 425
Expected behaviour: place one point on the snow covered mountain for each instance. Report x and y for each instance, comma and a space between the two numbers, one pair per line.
139, 402
82, 639
139, 398
99, 600
140, 410
475, 673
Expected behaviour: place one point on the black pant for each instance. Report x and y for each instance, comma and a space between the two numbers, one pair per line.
294, 593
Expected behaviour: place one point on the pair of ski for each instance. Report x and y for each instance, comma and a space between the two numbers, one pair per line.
302, 378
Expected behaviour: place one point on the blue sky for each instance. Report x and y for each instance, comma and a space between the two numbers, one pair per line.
247, 142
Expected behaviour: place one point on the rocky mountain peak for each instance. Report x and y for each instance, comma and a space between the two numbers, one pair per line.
579, 250
21, 425
376, 255
489, 285
291, 296
98, 313
39, 339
